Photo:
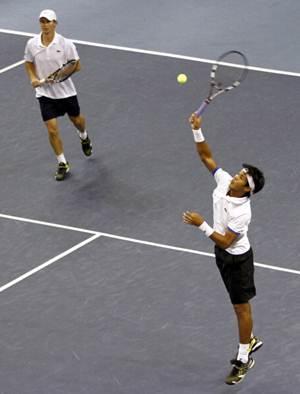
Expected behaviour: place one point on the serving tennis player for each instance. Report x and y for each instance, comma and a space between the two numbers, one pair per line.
234, 255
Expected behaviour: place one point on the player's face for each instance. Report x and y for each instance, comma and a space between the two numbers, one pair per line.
47, 27
239, 183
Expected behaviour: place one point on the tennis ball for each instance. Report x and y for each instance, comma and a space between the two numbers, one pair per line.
182, 79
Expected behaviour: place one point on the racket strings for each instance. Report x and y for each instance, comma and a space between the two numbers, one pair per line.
227, 76
230, 71
64, 72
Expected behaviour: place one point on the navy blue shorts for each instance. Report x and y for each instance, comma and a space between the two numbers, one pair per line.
53, 108
237, 272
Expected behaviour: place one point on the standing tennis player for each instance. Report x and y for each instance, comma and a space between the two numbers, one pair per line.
234, 256
44, 54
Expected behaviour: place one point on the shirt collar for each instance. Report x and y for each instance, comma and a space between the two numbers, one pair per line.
54, 41
237, 200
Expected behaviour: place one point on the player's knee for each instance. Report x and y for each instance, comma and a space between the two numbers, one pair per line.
52, 131
77, 120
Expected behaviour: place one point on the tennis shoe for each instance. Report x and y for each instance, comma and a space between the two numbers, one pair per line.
86, 146
255, 344
239, 371
62, 170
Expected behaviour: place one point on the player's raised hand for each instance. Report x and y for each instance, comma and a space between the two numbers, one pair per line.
195, 121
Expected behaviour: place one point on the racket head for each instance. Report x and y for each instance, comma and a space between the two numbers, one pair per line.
229, 71
64, 72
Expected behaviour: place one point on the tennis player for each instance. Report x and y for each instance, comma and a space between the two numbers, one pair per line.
44, 54
234, 256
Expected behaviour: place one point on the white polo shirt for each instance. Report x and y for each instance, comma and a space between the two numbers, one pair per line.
231, 213
48, 59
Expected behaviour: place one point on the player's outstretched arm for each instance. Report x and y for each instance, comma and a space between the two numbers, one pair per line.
202, 146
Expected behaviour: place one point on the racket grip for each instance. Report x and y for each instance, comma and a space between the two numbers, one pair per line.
201, 109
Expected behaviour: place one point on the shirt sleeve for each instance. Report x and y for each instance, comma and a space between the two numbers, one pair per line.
222, 179
28, 57
71, 51
221, 176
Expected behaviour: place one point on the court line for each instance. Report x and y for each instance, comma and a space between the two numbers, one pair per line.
20, 219
139, 241
155, 53
3, 70
49, 262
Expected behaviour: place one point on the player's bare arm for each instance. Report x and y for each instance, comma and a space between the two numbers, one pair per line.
77, 66
223, 241
73, 68
203, 148
31, 72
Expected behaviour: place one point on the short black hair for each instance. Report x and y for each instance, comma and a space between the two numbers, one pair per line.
257, 175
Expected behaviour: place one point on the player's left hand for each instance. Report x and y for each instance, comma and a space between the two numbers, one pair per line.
192, 218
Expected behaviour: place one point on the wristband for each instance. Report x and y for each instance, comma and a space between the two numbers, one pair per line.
206, 229
198, 135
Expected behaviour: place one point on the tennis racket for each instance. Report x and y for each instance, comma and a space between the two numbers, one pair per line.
62, 73
227, 73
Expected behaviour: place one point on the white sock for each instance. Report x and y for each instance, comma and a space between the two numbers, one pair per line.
61, 158
83, 135
243, 352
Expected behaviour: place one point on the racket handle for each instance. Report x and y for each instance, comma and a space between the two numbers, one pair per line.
202, 107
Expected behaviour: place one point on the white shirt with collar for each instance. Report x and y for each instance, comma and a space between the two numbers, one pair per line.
49, 58
231, 213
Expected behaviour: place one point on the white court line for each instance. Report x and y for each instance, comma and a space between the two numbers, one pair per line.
139, 241
49, 262
81, 230
3, 70
156, 53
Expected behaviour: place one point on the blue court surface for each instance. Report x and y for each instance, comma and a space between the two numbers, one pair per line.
103, 288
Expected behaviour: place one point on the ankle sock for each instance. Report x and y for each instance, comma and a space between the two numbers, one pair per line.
243, 354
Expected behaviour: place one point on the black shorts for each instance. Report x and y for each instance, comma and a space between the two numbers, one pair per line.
53, 108
237, 272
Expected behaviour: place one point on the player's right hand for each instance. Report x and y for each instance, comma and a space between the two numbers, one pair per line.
35, 83
195, 121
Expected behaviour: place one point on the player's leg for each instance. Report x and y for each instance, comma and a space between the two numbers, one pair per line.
243, 361
237, 272
54, 136
50, 110
245, 323
78, 120
57, 146
80, 124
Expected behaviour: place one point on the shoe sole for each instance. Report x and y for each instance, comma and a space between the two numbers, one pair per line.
243, 377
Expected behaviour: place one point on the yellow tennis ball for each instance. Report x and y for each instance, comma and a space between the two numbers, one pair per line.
182, 79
